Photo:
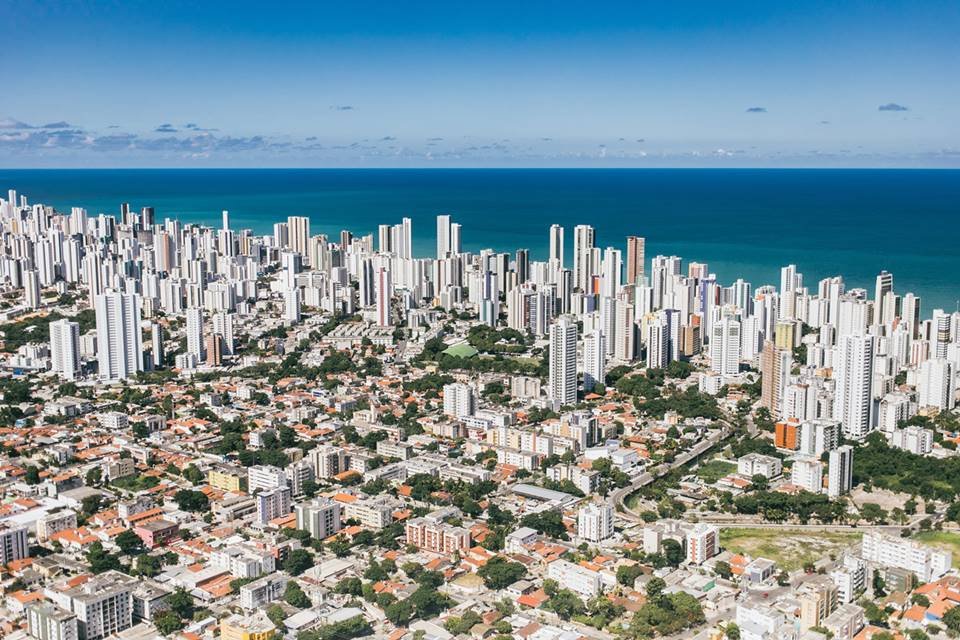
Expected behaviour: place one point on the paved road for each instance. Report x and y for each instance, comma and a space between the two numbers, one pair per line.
619, 495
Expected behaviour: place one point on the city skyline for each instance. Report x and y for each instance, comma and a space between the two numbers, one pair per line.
424, 85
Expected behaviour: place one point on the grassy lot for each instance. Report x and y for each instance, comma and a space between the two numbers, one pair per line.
713, 470
946, 540
789, 548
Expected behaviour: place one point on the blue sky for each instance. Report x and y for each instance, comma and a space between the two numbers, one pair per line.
480, 84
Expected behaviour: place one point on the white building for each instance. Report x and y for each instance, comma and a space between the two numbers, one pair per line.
321, 517
761, 621
459, 400
914, 439
850, 578
119, 343
703, 542
594, 360
853, 369
562, 387
758, 464
840, 471
926, 562
725, 346
103, 605
265, 478
65, 349
195, 332
384, 289
13, 543
595, 522
46, 621
580, 580
936, 384
274, 503
807, 473
262, 591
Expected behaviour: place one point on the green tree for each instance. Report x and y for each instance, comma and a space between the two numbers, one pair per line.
190, 500
181, 603
400, 613
723, 570
627, 574
129, 542
100, 560
167, 622
565, 604
952, 619
276, 614
655, 589
298, 561
349, 586
294, 596
193, 475
32, 475
673, 552
499, 573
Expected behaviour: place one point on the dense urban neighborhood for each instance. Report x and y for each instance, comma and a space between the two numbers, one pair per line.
210, 433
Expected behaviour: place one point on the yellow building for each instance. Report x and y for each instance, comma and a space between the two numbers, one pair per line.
225, 479
253, 627
786, 334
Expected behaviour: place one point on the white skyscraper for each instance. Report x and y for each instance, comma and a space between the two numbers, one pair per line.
384, 296
594, 359
223, 326
884, 285
940, 333
556, 244
853, 369
563, 362
298, 228
725, 346
840, 471
443, 236
31, 288
291, 305
612, 272
65, 348
195, 332
583, 237
456, 238
658, 341
119, 343
936, 384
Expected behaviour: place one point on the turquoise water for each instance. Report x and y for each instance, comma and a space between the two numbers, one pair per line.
745, 223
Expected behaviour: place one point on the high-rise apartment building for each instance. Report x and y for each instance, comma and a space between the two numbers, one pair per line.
119, 343
725, 346
443, 236
774, 373
594, 360
298, 229
65, 348
459, 400
635, 259
853, 369
563, 362
840, 471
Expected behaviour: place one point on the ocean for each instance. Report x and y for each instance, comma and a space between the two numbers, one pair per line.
741, 222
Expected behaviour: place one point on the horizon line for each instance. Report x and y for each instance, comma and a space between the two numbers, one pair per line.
491, 168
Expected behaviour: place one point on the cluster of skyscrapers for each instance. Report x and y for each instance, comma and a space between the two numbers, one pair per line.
823, 352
